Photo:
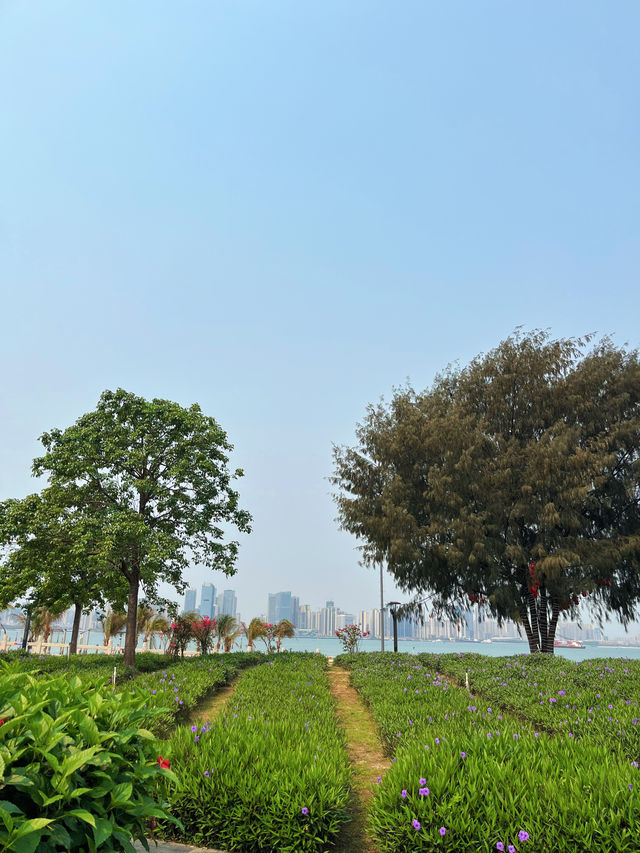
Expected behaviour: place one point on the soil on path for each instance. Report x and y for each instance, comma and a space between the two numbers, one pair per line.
368, 760
211, 707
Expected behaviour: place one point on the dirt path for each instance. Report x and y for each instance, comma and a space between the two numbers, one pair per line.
368, 761
209, 709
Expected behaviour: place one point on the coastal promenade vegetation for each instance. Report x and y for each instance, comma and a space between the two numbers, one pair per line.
136, 490
524, 753
510, 487
482, 769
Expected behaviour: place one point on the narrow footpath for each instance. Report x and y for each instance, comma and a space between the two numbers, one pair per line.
210, 708
368, 761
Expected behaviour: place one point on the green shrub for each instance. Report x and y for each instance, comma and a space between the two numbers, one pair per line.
469, 776
78, 771
271, 773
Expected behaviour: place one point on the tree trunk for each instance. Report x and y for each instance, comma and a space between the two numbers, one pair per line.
73, 643
548, 647
131, 637
535, 627
531, 638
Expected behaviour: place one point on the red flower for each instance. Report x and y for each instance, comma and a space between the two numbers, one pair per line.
163, 762
3, 720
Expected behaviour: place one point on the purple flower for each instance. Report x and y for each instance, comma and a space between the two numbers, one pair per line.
404, 794
523, 836
511, 848
499, 846
206, 772
194, 728
416, 824
443, 830
423, 781
463, 755
424, 792
305, 810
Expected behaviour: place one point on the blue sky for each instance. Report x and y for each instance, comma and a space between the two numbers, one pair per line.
283, 210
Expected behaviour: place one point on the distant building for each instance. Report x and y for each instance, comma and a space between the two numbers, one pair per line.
280, 607
227, 603
190, 600
207, 600
328, 616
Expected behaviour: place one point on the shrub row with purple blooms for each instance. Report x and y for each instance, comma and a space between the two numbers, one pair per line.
596, 700
271, 772
466, 775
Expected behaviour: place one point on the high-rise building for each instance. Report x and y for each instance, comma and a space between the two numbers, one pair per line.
190, 600
207, 600
227, 603
363, 621
295, 610
328, 621
280, 607
304, 617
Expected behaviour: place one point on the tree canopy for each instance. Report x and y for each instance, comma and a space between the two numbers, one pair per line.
150, 485
511, 485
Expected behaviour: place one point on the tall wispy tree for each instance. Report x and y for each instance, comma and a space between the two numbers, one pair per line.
153, 477
512, 485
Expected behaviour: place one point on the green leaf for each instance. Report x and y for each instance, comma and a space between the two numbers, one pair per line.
6, 819
102, 830
82, 814
75, 761
33, 825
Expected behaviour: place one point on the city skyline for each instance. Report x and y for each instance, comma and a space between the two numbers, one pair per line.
324, 621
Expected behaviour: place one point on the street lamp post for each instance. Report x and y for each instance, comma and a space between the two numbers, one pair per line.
381, 610
392, 605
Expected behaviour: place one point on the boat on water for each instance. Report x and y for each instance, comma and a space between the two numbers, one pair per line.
568, 644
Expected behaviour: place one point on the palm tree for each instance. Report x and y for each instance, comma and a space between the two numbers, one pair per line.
42, 623
112, 624
149, 623
227, 631
253, 631
284, 628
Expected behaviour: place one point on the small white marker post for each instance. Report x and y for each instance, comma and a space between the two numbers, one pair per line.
466, 680
113, 677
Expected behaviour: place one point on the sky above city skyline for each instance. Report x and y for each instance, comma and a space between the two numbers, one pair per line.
282, 211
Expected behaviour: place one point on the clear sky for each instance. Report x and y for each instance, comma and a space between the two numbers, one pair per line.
281, 210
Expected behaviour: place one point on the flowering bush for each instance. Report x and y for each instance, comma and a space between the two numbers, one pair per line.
350, 636
204, 632
270, 636
183, 630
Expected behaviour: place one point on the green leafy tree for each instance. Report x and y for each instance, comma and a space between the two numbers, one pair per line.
153, 478
511, 485
50, 556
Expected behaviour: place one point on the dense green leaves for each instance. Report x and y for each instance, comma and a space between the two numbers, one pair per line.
271, 773
511, 485
463, 764
78, 768
138, 489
